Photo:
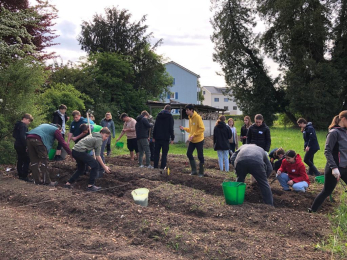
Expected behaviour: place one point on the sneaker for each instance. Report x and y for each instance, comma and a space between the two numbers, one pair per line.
67, 186
309, 210
52, 184
93, 188
193, 173
141, 166
201, 175
26, 179
58, 158
150, 167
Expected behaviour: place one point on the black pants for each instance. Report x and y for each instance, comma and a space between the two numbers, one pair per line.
259, 173
308, 159
59, 145
23, 161
82, 160
151, 148
162, 145
200, 149
232, 147
329, 186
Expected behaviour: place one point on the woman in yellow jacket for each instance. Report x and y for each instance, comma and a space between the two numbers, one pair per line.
196, 139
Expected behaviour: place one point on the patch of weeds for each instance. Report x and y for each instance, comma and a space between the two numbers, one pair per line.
337, 243
166, 230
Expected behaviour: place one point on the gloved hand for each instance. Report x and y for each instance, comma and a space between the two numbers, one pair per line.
336, 173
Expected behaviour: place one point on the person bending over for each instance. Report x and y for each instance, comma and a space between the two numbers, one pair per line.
80, 154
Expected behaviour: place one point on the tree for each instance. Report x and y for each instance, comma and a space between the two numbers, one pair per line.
201, 97
58, 94
242, 64
115, 33
35, 27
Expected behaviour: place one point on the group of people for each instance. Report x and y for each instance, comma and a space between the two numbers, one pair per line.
149, 137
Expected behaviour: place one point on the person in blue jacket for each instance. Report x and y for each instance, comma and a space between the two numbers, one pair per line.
311, 145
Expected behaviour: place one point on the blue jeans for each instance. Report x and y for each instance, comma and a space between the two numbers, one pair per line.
223, 156
283, 178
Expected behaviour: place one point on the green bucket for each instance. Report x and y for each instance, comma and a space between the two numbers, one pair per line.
320, 179
51, 154
119, 145
96, 128
234, 192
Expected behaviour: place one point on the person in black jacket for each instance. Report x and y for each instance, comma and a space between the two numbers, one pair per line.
19, 134
311, 145
259, 133
276, 154
142, 134
244, 129
60, 118
162, 133
221, 135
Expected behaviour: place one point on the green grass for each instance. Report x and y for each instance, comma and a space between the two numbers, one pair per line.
287, 138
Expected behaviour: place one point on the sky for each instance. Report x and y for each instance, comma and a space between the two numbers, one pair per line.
184, 26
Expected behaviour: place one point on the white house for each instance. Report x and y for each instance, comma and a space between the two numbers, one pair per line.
184, 89
214, 97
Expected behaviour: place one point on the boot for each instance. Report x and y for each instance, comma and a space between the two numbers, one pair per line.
193, 165
201, 170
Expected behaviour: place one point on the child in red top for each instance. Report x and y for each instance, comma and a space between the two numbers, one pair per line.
293, 173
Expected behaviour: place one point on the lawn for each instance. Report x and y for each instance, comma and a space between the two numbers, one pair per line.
287, 138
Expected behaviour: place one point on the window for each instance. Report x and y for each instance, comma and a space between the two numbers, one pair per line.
226, 99
172, 95
226, 108
203, 92
176, 111
234, 107
176, 95
173, 81
216, 99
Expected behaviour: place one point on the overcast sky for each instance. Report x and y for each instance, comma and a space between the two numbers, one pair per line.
183, 24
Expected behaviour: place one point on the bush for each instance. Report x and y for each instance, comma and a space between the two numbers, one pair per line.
7, 151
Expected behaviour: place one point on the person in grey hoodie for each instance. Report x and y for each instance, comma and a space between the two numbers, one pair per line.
336, 155
142, 134
254, 160
107, 122
79, 153
20, 145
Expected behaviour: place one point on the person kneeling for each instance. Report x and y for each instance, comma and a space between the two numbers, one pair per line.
293, 173
80, 153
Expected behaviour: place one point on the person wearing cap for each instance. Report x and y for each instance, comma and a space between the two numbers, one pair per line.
196, 131
39, 142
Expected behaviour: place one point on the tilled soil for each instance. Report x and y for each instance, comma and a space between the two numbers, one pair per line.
186, 217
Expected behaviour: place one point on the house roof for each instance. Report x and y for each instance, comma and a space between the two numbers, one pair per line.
191, 72
215, 90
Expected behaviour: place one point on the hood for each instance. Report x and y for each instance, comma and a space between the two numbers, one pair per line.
19, 123
107, 120
298, 159
221, 124
164, 114
139, 118
97, 134
194, 114
309, 124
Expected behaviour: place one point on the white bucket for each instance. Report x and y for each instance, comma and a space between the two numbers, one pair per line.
140, 196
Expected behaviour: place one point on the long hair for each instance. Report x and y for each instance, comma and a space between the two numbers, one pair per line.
230, 119
249, 121
343, 114
220, 119
334, 122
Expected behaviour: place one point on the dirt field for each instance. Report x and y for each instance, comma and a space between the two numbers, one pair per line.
186, 218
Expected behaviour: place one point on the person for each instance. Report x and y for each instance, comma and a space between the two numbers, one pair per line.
244, 129
221, 136
311, 145
142, 135
252, 159
278, 155
20, 145
80, 154
107, 122
60, 118
40, 141
196, 131
151, 142
336, 154
292, 173
163, 132
129, 130
259, 133
75, 133
233, 141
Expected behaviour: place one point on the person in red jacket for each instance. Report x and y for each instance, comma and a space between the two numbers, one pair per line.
293, 173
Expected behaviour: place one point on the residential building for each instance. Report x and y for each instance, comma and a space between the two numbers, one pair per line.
184, 88
214, 97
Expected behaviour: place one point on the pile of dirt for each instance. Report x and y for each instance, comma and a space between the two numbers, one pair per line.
186, 217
